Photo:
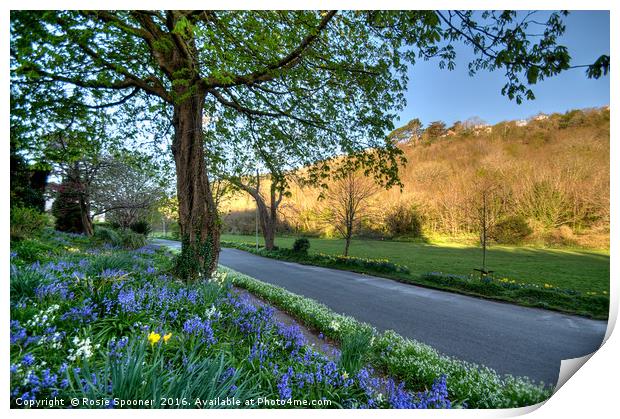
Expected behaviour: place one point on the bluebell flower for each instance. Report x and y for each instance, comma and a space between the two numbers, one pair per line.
198, 327
28, 360
284, 388
127, 301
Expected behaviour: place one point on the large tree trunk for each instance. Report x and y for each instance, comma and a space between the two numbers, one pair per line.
87, 222
198, 219
267, 215
264, 218
268, 219
267, 225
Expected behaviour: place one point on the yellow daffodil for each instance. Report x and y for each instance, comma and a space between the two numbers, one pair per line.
345, 375
154, 338
167, 337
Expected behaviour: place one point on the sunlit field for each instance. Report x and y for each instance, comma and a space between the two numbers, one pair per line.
581, 270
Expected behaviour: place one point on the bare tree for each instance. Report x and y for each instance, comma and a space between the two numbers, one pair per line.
474, 122
488, 203
349, 200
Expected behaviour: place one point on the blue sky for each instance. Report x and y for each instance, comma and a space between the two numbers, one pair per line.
435, 94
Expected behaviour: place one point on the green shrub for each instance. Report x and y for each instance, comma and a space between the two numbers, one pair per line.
511, 230
371, 228
301, 245
141, 227
123, 238
132, 240
571, 119
107, 235
26, 223
403, 220
104, 224
547, 296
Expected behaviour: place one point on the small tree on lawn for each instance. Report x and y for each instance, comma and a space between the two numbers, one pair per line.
261, 166
489, 203
348, 201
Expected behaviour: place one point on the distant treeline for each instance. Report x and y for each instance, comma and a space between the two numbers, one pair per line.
547, 181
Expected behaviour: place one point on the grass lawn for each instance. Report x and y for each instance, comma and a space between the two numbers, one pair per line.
577, 269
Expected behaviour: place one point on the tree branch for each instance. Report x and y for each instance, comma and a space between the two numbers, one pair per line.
267, 73
107, 17
118, 102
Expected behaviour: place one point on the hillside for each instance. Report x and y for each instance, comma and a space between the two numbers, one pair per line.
551, 173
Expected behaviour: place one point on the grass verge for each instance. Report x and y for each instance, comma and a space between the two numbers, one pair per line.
330, 261
547, 296
573, 268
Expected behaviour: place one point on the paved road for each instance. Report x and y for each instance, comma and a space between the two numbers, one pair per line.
505, 337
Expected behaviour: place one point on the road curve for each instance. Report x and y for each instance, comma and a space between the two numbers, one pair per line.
508, 338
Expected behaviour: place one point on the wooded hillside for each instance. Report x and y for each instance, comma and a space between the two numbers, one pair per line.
548, 179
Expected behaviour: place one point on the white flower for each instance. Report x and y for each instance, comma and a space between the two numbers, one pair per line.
212, 311
83, 349
218, 278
